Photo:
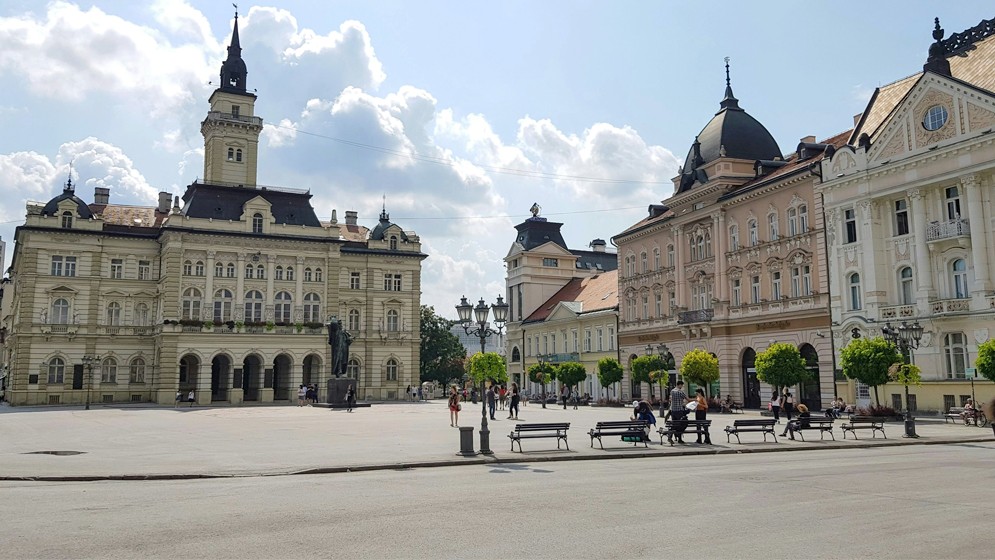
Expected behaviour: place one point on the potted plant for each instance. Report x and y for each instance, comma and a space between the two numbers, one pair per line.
239, 326
270, 326
209, 326
298, 327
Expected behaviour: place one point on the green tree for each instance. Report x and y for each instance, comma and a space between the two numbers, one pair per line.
985, 363
905, 374
700, 367
489, 365
867, 360
644, 369
571, 373
541, 373
441, 354
609, 372
781, 365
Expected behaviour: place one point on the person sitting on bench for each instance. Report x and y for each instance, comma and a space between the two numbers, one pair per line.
969, 412
644, 412
726, 405
800, 422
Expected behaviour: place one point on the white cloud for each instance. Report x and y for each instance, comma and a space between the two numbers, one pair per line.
99, 164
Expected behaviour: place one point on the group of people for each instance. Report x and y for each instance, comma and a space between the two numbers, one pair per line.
838, 408
414, 393
495, 395
307, 395
191, 398
784, 402
680, 407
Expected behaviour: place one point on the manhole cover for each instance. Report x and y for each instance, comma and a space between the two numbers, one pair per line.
55, 453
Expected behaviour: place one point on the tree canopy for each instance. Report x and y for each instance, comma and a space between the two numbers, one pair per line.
571, 373
985, 363
644, 368
905, 374
781, 365
489, 365
609, 372
867, 360
700, 367
441, 354
541, 373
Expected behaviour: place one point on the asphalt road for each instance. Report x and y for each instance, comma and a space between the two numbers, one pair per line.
929, 502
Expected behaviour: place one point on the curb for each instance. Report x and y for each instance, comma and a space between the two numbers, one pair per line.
860, 444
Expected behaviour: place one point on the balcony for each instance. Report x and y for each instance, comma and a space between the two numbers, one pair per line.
696, 316
898, 311
561, 358
938, 231
942, 306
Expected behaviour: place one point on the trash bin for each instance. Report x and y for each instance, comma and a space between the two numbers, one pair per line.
466, 441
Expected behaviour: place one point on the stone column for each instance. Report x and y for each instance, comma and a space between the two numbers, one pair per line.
979, 235
204, 382
681, 282
923, 270
240, 286
208, 310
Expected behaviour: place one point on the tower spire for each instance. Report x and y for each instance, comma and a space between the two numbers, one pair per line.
384, 216
729, 101
937, 61
69, 180
233, 71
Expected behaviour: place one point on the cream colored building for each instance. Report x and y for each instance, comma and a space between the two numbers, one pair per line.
910, 220
732, 262
226, 294
563, 303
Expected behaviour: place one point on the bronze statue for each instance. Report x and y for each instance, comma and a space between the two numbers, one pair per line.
339, 339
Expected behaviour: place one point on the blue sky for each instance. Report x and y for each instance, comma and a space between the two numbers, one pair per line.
605, 90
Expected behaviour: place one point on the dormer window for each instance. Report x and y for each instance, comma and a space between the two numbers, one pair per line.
393, 242
234, 110
257, 223
67, 219
231, 154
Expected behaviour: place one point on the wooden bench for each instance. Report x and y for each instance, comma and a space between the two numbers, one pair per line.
764, 426
629, 430
954, 413
736, 406
548, 430
871, 423
700, 429
823, 424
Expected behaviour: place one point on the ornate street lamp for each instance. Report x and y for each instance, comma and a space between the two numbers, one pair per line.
906, 337
88, 363
478, 327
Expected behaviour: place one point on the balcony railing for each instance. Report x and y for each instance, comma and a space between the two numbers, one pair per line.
696, 316
936, 231
898, 311
950, 305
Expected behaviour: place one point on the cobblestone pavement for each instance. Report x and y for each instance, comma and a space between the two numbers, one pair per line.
271, 440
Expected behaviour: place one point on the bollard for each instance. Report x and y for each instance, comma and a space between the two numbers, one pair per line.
466, 441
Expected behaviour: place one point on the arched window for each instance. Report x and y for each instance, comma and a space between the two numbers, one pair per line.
141, 314
113, 314
393, 321
354, 321
290, 273
772, 226
248, 271
393, 242
191, 304
317, 275
231, 154
238, 155
802, 218
352, 369
222, 305
733, 237
254, 307
792, 221
137, 370
854, 283
670, 256
751, 228
516, 356
56, 371
905, 285
260, 272
312, 308
278, 273
308, 275
187, 268
959, 270
955, 355
231, 270
60, 312
257, 223
198, 268
284, 303
67, 219
108, 371
692, 251
392, 370
219, 270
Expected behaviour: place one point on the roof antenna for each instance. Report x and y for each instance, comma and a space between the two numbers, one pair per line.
69, 181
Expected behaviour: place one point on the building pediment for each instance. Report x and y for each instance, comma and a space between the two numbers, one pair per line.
62, 289
566, 310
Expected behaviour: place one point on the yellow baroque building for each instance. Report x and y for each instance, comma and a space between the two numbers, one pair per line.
226, 294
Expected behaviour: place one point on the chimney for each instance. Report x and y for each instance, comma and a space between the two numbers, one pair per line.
335, 218
164, 199
808, 140
101, 195
350, 217
856, 118
598, 245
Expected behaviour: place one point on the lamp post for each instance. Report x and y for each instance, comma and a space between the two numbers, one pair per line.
542, 362
906, 337
663, 351
88, 362
478, 327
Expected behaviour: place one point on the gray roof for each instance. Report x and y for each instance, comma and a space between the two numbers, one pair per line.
226, 203
52, 208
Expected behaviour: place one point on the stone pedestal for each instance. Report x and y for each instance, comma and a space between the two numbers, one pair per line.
235, 396
266, 395
166, 396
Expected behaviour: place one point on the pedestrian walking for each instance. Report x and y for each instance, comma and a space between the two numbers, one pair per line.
515, 397
775, 407
179, 398
350, 398
420, 397
502, 396
491, 397
413, 392
191, 397
301, 395
678, 414
564, 395
787, 404
454, 406
700, 411
407, 393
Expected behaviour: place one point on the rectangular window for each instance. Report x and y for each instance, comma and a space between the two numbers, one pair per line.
901, 217
545, 344
392, 282
117, 268
353, 280
896, 401
755, 289
646, 307
235, 110
953, 203
672, 298
775, 285
796, 282
57, 266
611, 338
145, 270
850, 219
659, 305
550, 262
601, 339
552, 340
587, 340
807, 280
736, 296
573, 335
863, 391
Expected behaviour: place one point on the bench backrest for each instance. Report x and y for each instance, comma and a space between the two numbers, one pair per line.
955, 410
764, 422
621, 424
537, 427
865, 419
691, 422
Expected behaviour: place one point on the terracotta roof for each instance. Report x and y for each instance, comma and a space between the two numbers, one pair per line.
645, 222
592, 293
134, 216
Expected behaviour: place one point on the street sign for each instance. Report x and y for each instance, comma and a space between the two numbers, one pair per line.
971, 372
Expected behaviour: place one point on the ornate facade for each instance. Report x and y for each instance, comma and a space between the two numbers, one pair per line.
910, 219
226, 294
